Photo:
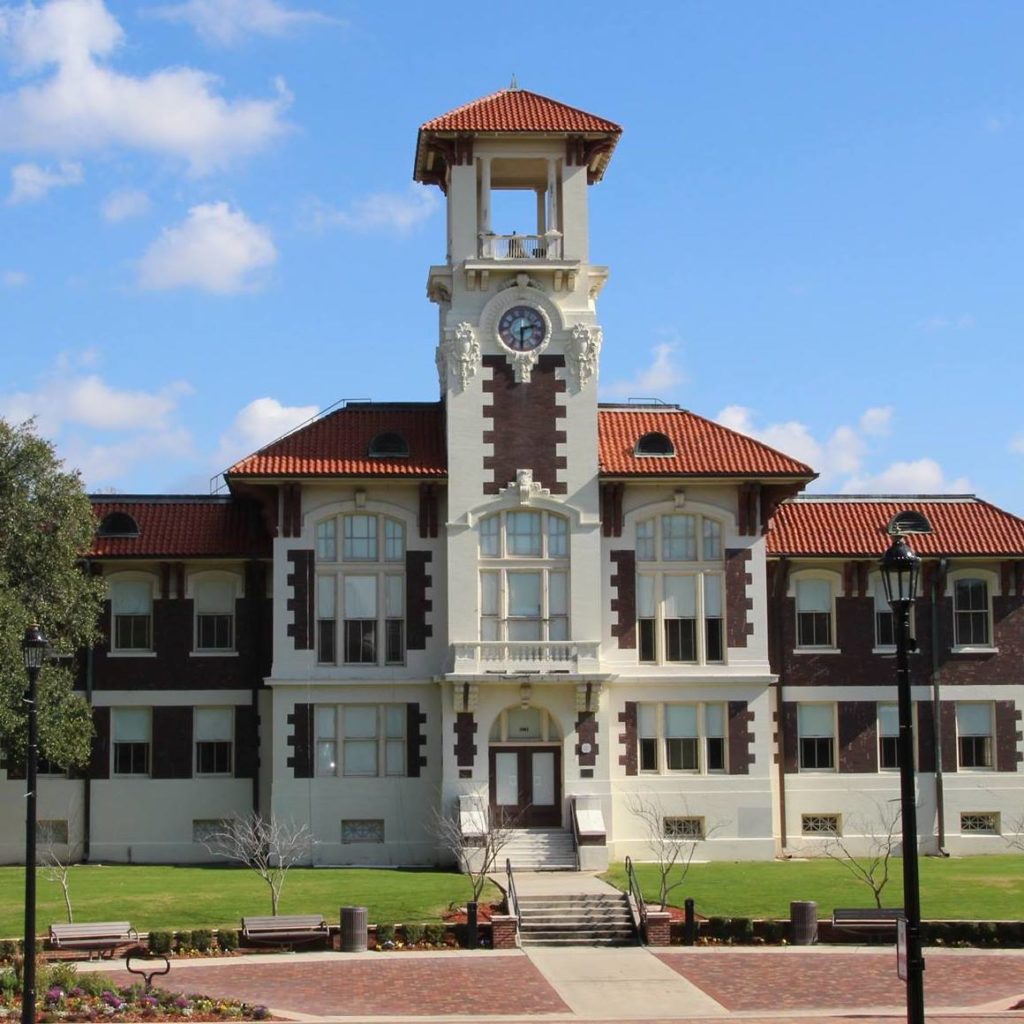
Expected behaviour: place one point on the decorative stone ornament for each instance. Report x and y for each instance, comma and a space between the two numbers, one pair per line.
525, 488
458, 356
582, 350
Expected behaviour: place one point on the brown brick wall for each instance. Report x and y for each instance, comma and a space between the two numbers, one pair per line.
950, 758
623, 605
300, 604
247, 742
741, 739
99, 760
301, 741
586, 732
465, 729
1007, 736
627, 738
925, 736
858, 736
415, 740
737, 605
524, 427
790, 737
416, 603
172, 742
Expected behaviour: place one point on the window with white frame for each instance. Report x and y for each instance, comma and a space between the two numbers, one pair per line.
679, 597
131, 609
885, 631
972, 619
214, 601
215, 730
360, 587
131, 734
360, 740
816, 724
814, 612
524, 576
888, 736
681, 737
974, 735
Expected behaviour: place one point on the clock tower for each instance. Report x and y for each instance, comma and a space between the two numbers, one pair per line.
519, 341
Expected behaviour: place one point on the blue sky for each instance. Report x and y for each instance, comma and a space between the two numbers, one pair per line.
814, 221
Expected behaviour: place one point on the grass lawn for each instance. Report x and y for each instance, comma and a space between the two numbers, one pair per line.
165, 898
972, 888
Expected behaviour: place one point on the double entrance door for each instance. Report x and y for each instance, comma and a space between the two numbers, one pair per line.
526, 785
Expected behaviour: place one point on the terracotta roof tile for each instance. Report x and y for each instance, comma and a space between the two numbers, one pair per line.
337, 445
855, 526
702, 447
186, 526
518, 110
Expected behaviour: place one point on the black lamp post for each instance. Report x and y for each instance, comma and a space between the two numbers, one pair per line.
900, 568
33, 648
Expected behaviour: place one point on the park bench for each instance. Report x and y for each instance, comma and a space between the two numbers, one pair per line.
95, 937
866, 918
285, 930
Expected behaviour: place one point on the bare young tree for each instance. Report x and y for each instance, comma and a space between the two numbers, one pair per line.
270, 847
1015, 837
56, 853
872, 867
672, 839
473, 836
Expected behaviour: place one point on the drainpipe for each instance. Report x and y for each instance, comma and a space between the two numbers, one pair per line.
938, 585
87, 787
781, 578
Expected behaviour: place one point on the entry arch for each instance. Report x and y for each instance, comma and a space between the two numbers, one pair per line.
525, 763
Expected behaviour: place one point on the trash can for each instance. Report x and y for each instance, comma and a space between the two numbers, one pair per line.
803, 922
354, 930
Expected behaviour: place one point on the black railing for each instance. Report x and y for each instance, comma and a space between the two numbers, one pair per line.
575, 831
638, 899
511, 898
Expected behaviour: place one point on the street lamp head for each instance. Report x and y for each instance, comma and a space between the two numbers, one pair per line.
33, 648
900, 568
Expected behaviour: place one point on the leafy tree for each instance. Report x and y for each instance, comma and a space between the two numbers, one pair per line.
46, 527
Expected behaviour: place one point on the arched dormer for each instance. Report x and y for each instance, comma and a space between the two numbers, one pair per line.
388, 445
118, 524
653, 445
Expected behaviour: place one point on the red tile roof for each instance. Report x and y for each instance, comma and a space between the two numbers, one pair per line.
186, 526
855, 526
518, 110
702, 447
337, 445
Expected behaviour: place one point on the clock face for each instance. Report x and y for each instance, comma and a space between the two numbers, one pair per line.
522, 328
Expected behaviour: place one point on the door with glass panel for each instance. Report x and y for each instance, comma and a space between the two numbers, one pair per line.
526, 785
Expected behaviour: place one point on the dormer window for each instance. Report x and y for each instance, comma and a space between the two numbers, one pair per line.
654, 444
118, 524
389, 445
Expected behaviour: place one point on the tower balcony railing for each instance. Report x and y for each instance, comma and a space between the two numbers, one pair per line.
484, 657
521, 247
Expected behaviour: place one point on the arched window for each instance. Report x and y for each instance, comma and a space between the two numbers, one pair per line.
680, 589
389, 445
118, 524
524, 576
361, 583
655, 443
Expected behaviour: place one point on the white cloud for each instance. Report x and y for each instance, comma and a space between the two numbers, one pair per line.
388, 211
263, 420
14, 278
30, 182
78, 103
660, 378
1017, 444
942, 322
225, 22
877, 421
215, 249
103, 463
125, 203
922, 476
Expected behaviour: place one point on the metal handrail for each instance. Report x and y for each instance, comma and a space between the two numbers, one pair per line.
575, 831
638, 897
510, 893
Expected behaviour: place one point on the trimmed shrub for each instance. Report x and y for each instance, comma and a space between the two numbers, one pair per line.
227, 939
160, 943
202, 940
184, 942
60, 974
8, 949
94, 984
414, 934
385, 933
740, 929
433, 934
717, 928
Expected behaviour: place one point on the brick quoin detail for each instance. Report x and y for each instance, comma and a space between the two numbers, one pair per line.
415, 739
623, 605
737, 605
416, 604
301, 741
586, 732
524, 425
300, 604
627, 737
741, 739
464, 729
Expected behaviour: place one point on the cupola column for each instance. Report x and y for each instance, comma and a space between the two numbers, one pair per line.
484, 204
551, 219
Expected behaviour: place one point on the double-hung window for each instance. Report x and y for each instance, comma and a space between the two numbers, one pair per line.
816, 724
214, 740
971, 612
885, 635
370, 739
215, 614
974, 735
888, 736
360, 588
681, 737
680, 590
131, 730
524, 576
131, 607
814, 619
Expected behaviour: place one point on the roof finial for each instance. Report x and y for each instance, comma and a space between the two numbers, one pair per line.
513, 86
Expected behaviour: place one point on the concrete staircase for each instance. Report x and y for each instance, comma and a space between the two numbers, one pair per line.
576, 920
540, 849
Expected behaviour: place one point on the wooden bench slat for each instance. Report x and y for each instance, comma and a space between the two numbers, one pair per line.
868, 917
285, 927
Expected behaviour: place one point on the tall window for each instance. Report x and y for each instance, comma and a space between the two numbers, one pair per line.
524, 576
816, 724
679, 589
131, 735
214, 601
681, 737
214, 738
885, 635
888, 736
370, 739
971, 612
814, 613
361, 588
131, 606
974, 735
